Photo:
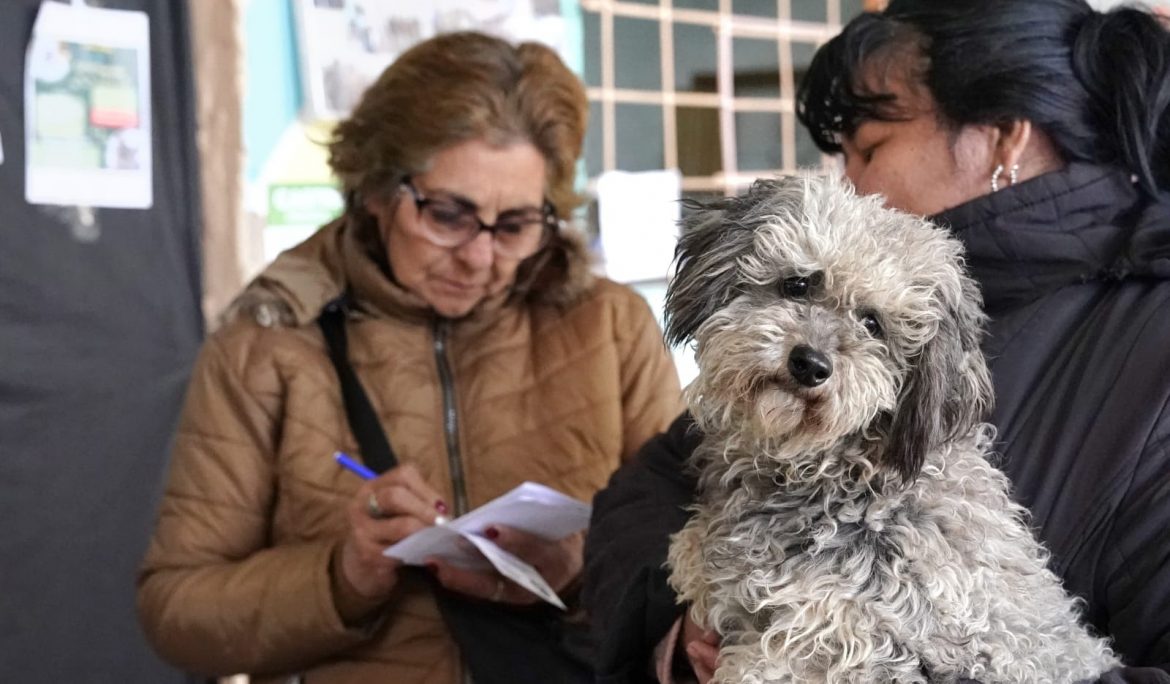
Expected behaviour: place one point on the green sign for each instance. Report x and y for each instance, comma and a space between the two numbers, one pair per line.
303, 204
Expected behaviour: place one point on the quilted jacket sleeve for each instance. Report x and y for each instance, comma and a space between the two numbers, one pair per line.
213, 597
651, 397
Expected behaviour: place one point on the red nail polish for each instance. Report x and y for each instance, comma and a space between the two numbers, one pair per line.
441, 507
491, 533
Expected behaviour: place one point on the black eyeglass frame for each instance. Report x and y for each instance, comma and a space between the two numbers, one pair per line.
550, 221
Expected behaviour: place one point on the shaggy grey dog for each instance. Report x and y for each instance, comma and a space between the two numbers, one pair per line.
850, 527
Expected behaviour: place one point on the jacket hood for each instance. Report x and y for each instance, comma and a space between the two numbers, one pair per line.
1079, 224
296, 286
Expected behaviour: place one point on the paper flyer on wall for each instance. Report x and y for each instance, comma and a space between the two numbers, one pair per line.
87, 108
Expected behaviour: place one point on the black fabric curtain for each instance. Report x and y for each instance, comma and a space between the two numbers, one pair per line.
99, 324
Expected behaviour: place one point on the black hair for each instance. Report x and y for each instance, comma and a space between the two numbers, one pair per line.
1097, 83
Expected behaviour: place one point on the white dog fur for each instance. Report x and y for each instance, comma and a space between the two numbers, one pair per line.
850, 527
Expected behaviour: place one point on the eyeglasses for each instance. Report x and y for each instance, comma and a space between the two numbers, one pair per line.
451, 223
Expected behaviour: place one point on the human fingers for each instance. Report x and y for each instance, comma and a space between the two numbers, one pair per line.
558, 562
366, 569
701, 646
379, 534
702, 657
486, 586
408, 476
371, 535
388, 499
526, 546
363, 563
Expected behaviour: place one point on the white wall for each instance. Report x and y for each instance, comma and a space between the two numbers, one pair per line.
1107, 4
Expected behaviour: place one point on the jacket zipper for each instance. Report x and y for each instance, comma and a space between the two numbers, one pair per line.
450, 417
451, 433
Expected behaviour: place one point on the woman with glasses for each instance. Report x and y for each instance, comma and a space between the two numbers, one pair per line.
487, 355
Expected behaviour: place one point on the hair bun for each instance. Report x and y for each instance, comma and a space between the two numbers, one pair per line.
1092, 25
1122, 58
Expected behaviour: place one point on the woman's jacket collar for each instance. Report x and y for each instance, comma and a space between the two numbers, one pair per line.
1080, 224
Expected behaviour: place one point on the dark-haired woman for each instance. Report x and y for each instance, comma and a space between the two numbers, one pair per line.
1038, 132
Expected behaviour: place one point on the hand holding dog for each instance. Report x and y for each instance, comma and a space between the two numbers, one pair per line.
558, 562
702, 649
384, 511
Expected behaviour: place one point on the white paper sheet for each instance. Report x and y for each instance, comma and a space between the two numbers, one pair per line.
87, 108
531, 507
517, 570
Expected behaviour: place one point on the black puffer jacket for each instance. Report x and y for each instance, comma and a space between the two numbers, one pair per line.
1075, 270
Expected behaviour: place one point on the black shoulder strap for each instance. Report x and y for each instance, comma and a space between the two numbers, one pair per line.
376, 451
499, 644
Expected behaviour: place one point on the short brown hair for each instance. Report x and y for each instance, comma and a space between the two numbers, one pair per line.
457, 87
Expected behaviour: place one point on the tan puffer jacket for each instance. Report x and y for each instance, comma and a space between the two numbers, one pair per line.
237, 576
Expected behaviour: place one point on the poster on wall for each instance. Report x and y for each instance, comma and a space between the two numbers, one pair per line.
345, 44
295, 211
87, 108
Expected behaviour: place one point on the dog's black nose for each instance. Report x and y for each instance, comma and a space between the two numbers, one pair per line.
809, 366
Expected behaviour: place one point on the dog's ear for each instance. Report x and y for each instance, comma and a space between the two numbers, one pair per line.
712, 238
948, 390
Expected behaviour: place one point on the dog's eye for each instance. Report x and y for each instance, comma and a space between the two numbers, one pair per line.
795, 287
871, 324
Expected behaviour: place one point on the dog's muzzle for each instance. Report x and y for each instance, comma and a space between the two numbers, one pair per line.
808, 366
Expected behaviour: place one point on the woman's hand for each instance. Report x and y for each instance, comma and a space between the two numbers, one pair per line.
384, 511
701, 647
558, 562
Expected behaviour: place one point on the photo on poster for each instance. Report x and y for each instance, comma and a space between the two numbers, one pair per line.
87, 108
345, 44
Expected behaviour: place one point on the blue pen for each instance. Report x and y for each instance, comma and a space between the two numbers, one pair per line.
345, 461
353, 466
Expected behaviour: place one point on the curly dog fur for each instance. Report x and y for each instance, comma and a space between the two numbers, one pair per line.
850, 527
